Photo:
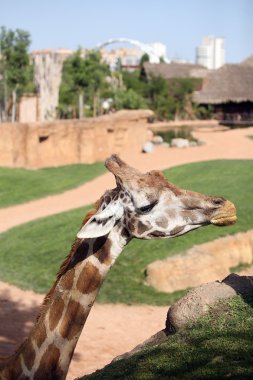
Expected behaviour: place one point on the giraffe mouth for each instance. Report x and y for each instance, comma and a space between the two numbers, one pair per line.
224, 220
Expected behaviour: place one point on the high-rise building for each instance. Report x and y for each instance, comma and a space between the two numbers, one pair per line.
211, 54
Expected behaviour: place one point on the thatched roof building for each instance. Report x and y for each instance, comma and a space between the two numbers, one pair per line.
230, 91
174, 70
231, 83
248, 61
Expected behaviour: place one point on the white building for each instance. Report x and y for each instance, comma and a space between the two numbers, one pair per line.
211, 54
160, 50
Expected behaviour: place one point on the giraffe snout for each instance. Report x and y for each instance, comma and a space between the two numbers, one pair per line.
225, 215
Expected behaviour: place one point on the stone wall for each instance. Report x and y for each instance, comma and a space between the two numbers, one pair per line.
37, 145
202, 263
28, 109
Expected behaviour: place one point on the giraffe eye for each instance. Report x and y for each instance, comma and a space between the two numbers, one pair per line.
148, 208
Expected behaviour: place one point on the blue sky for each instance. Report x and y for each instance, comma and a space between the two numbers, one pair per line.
179, 24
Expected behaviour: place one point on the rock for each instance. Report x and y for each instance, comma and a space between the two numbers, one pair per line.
157, 140
180, 143
198, 301
206, 262
148, 147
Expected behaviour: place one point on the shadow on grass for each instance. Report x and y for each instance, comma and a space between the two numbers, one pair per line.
243, 285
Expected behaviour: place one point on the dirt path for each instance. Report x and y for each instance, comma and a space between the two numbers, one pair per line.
110, 329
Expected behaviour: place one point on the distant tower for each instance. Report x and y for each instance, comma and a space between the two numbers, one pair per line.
211, 54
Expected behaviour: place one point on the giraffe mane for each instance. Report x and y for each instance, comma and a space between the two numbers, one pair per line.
67, 260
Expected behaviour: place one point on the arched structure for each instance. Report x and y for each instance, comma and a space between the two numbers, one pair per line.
153, 56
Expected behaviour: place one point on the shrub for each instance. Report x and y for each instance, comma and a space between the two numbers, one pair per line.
129, 99
183, 132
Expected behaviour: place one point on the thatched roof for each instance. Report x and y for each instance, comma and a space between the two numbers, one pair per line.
248, 61
231, 83
174, 70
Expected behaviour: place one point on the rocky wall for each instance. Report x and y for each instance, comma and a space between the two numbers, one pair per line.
37, 145
202, 263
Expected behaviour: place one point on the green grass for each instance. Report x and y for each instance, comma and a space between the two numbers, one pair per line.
21, 185
250, 137
218, 346
32, 253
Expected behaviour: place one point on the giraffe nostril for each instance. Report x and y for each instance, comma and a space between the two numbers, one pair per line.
218, 201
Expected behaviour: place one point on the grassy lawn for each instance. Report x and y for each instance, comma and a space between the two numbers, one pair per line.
31, 253
217, 346
21, 185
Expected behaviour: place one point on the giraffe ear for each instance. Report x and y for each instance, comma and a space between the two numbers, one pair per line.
101, 223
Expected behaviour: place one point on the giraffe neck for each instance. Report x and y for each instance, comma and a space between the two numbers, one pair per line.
47, 352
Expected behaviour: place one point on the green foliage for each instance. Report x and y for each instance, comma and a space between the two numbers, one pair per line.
38, 248
183, 132
217, 346
21, 185
203, 111
84, 76
132, 81
144, 58
129, 90
129, 99
16, 70
166, 98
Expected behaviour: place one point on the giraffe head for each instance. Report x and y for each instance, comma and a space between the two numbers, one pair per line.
148, 206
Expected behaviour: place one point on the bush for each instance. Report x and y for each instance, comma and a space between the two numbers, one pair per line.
184, 132
129, 99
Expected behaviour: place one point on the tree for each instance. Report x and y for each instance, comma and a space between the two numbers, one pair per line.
129, 99
16, 69
83, 80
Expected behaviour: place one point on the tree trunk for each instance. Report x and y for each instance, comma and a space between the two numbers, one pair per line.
81, 106
14, 106
95, 105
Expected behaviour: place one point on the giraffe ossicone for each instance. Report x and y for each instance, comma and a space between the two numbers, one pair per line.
144, 206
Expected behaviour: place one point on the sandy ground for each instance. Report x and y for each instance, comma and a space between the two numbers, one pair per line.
111, 329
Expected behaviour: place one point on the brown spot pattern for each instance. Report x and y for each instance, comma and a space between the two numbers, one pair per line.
89, 279
66, 281
73, 321
29, 355
40, 334
55, 313
162, 222
14, 372
49, 365
141, 228
103, 254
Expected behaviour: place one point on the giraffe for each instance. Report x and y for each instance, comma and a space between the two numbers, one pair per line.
144, 206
